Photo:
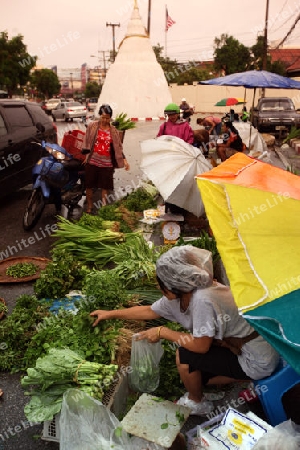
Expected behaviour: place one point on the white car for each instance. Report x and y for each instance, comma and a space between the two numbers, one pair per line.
69, 111
51, 104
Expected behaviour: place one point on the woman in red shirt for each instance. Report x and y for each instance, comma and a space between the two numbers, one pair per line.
105, 153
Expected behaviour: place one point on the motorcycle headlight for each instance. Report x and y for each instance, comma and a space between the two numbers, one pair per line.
58, 155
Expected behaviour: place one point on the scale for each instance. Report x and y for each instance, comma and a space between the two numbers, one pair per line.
171, 227
171, 232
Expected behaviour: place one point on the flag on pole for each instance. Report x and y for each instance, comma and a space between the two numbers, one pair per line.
169, 20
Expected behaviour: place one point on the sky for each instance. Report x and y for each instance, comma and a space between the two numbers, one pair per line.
66, 33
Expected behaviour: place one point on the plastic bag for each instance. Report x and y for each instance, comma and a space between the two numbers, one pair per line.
144, 362
285, 435
86, 424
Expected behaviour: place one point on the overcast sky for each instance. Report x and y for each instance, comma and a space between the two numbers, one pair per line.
66, 33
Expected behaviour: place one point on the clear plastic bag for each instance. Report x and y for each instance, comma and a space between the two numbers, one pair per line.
285, 436
86, 424
144, 362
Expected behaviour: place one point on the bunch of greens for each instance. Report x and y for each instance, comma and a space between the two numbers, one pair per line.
86, 243
294, 133
122, 122
75, 331
17, 331
170, 386
139, 200
56, 372
127, 220
21, 270
104, 290
203, 241
135, 262
62, 274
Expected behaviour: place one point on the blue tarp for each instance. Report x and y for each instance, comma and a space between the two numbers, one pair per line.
255, 79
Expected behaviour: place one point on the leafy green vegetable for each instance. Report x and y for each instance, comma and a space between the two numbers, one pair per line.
122, 122
56, 372
17, 330
21, 270
105, 289
139, 200
62, 274
203, 241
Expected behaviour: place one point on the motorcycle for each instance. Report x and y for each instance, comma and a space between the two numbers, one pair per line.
58, 179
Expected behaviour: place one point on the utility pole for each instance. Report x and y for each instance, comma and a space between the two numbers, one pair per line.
265, 49
149, 17
113, 25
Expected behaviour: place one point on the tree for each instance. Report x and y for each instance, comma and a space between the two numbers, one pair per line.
46, 82
230, 55
92, 89
15, 63
179, 73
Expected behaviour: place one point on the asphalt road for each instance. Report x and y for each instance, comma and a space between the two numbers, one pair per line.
15, 431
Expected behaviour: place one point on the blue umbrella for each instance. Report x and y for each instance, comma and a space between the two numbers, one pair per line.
255, 79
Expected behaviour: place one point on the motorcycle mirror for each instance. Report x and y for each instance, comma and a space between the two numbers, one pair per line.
40, 127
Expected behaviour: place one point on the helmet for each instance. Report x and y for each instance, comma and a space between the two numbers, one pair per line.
172, 108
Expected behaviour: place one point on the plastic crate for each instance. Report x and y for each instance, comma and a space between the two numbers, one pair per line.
51, 430
114, 399
72, 142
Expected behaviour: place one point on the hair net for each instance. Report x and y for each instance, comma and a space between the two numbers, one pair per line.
185, 268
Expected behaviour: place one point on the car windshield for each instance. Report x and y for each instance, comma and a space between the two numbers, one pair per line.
277, 105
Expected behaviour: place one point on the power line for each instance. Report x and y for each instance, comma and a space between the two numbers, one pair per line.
289, 32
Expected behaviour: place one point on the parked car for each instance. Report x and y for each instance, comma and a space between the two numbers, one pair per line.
18, 153
274, 114
69, 111
92, 103
51, 104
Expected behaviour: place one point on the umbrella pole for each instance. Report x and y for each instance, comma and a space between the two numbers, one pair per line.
251, 117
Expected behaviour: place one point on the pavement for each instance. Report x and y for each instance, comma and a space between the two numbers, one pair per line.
15, 431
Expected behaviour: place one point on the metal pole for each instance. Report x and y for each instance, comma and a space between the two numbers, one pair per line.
265, 50
149, 16
265, 53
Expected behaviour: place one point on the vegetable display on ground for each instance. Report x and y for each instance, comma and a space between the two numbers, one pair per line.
56, 372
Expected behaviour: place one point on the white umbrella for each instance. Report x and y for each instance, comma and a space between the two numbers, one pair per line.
172, 164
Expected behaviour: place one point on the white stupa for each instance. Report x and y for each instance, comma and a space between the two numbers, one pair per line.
135, 83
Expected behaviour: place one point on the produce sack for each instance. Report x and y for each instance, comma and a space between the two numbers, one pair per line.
144, 363
86, 424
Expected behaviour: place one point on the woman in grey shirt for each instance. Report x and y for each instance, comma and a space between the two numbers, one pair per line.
219, 346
